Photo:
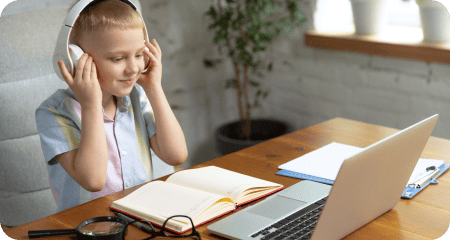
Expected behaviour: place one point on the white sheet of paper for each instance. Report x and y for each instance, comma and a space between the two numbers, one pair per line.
324, 162
421, 167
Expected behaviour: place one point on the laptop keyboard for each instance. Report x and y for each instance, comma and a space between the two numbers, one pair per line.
299, 225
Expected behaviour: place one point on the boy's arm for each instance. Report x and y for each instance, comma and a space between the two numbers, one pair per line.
87, 165
168, 142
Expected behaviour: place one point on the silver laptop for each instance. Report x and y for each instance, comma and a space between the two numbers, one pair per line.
368, 184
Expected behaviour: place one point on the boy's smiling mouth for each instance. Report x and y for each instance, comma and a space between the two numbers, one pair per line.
127, 81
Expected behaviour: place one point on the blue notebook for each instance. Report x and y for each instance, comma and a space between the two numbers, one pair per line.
304, 176
408, 193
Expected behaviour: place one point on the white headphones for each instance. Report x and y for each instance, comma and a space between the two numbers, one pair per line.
70, 53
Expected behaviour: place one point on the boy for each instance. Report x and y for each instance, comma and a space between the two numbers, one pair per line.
96, 134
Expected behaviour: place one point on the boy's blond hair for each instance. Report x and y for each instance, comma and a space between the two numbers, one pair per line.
105, 14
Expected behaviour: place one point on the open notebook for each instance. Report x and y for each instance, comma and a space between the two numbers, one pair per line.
202, 194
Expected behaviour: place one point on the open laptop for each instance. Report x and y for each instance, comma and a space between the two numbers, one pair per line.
368, 184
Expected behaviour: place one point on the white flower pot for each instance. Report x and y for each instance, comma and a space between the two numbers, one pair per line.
369, 16
435, 21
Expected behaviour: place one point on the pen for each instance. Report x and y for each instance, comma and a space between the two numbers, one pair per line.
421, 182
139, 225
428, 177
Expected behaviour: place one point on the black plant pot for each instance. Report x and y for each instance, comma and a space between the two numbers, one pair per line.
228, 136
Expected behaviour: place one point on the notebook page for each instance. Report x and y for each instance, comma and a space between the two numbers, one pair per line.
324, 162
218, 180
166, 199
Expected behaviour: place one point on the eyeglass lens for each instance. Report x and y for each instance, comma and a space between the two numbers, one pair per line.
181, 218
102, 228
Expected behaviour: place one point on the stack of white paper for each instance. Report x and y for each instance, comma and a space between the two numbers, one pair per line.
324, 162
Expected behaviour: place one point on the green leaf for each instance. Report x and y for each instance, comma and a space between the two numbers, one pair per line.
287, 63
267, 10
254, 84
288, 30
240, 43
212, 13
221, 36
231, 53
292, 6
277, 8
284, 21
230, 83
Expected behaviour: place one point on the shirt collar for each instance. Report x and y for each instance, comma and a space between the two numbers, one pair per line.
123, 103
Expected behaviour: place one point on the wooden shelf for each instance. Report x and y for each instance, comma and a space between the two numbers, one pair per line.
395, 42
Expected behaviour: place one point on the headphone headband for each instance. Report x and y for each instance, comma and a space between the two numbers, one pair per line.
62, 43
81, 5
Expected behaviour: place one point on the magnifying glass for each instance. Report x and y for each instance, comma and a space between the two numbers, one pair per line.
99, 228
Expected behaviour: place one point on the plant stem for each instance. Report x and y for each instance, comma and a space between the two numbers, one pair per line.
239, 93
247, 126
237, 78
245, 122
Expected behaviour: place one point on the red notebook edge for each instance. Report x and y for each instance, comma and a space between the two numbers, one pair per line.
170, 229
209, 220
153, 223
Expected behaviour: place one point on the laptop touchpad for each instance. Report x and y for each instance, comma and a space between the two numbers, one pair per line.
275, 207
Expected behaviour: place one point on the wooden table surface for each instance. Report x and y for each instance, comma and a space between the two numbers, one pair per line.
426, 216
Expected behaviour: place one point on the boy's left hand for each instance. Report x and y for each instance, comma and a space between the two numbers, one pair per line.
152, 77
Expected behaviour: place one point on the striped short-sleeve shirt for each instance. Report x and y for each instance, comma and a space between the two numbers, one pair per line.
130, 161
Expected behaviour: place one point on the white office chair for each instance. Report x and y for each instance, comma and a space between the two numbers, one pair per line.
27, 40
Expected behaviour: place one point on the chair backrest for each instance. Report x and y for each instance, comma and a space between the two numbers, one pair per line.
27, 39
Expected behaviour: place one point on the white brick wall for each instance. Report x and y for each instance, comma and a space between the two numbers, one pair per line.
379, 90
375, 89
400, 65
323, 84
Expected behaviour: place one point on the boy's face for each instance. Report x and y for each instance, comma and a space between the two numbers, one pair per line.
119, 57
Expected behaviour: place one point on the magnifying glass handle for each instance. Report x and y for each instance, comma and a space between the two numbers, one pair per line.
46, 233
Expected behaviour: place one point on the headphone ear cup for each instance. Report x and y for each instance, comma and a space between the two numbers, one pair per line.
75, 54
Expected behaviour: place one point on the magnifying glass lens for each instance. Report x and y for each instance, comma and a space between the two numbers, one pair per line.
102, 228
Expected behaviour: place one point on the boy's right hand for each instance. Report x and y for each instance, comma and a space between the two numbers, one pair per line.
85, 84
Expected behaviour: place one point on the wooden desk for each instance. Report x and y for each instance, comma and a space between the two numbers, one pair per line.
426, 216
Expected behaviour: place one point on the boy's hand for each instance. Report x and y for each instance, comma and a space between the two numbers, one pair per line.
85, 84
152, 77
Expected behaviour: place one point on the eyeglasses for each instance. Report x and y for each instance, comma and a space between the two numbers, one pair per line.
164, 232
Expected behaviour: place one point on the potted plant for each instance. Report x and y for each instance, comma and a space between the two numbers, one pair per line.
245, 28
369, 16
435, 19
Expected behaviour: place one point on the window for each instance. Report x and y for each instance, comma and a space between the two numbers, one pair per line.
335, 16
404, 13
402, 38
